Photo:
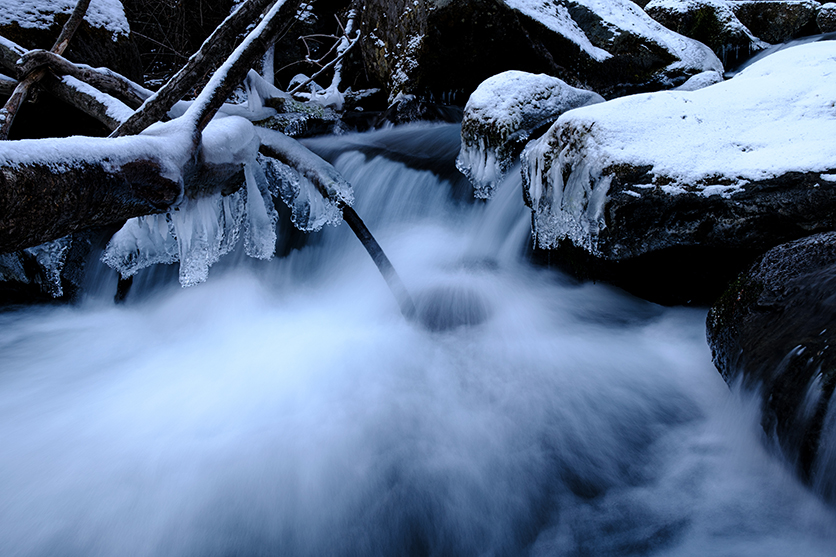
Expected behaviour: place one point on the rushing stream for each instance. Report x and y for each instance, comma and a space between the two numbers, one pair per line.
286, 407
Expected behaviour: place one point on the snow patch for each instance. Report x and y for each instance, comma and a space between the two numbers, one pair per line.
40, 14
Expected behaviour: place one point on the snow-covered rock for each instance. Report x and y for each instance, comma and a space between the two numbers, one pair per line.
711, 22
501, 116
103, 39
747, 163
826, 18
774, 330
438, 47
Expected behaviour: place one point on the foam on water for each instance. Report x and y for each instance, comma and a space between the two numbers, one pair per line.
286, 408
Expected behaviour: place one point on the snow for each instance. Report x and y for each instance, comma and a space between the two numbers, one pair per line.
776, 116
169, 144
40, 14
502, 113
115, 109
619, 16
556, 17
700, 81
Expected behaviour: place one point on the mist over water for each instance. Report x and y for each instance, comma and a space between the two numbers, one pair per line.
286, 407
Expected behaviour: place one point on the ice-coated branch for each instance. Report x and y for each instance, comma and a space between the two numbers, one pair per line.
17, 98
332, 186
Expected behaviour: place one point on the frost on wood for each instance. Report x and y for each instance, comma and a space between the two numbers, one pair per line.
772, 124
500, 117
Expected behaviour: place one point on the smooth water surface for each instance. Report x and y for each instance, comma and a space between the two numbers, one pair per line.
286, 408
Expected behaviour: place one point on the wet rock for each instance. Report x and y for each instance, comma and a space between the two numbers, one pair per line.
445, 48
777, 21
712, 22
775, 330
503, 114
743, 165
103, 38
826, 18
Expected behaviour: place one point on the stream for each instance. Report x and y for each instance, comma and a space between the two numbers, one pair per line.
287, 408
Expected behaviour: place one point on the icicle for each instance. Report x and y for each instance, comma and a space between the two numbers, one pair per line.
260, 232
51, 257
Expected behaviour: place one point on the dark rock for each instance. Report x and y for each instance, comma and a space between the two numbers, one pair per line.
777, 21
712, 22
773, 331
445, 48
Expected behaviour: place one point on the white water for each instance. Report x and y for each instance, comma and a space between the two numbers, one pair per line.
286, 408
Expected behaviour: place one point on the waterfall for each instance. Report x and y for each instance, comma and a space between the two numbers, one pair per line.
285, 407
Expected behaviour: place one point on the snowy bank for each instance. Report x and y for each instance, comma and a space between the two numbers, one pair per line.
748, 163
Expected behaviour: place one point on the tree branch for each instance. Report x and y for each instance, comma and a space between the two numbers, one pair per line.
214, 48
18, 97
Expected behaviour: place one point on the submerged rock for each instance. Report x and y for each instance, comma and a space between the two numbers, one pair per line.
711, 22
775, 330
436, 48
745, 164
503, 114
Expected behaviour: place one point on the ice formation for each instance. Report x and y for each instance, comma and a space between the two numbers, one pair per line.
107, 14
500, 117
774, 118
51, 257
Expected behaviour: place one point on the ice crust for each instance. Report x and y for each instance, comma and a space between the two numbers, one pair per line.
774, 117
51, 257
501, 115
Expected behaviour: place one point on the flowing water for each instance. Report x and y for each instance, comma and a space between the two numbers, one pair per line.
286, 407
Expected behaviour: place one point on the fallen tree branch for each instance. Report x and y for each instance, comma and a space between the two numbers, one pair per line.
18, 97
104, 80
214, 48
328, 182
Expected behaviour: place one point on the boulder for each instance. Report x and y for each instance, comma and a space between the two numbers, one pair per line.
445, 48
745, 164
103, 39
503, 114
826, 18
711, 22
772, 332
777, 21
